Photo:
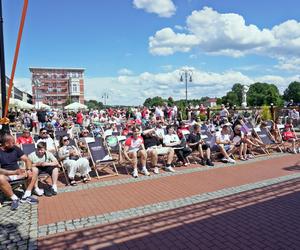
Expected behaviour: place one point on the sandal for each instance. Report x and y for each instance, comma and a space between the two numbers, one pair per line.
84, 179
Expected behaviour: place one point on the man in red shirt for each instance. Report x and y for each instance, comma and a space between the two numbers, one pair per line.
25, 138
134, 148
79, 118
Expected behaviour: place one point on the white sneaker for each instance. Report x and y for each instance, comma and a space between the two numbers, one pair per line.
294, 151
231, 161
38, 191
145, 171
170, 169
156, 170
135, 173
224, 159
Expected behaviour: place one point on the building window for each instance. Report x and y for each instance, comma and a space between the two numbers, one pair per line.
75, 87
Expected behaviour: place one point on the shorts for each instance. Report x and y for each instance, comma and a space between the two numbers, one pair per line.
15, 178
204, 147
45, 170
160, 150
217, 147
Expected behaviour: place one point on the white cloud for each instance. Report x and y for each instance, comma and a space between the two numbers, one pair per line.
134, 89
125, 71
228, 34
163, 8
167, 42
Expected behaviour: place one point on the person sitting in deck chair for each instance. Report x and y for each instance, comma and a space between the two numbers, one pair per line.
197, 144
154, 148
171, 139
221, 142
46, 163
72, 161
291, 137
25, 138
10, 171
134, 148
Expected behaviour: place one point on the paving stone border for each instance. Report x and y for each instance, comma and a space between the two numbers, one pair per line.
163, 174
91, 221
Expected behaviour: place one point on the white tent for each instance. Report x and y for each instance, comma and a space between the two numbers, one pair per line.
40, 105
75, 106
19, 104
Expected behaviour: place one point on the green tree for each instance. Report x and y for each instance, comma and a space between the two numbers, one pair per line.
234, 97
260, 94
93, 104
155, 101
292, 92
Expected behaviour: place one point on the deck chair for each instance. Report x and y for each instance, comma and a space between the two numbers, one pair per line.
101, 157
60, 133
266, 137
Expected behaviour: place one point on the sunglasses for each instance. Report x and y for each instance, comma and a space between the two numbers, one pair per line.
66, 139
44, 133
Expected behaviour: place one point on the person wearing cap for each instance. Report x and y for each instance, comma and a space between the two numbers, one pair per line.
221, 142
25, 138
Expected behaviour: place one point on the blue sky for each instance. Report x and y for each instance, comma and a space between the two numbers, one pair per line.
134, 49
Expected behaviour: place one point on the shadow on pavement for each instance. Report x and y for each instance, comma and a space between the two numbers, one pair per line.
265, 218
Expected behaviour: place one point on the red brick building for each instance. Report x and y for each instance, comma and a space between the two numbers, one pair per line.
57, 86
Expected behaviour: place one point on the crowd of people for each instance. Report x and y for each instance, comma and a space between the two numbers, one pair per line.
151, 137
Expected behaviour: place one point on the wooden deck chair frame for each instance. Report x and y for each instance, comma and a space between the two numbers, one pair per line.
100, 164
267, 139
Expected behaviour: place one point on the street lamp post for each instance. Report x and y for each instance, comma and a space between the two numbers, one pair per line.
105, 97
186, 75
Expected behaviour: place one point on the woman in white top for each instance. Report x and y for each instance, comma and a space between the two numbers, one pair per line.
72, 161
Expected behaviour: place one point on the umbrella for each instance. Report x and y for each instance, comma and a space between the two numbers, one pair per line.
40, 105
75, 106
19, 104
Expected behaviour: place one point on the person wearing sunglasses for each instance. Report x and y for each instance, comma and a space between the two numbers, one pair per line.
44, 137
72, 161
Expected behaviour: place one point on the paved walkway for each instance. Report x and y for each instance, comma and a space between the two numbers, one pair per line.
252, 204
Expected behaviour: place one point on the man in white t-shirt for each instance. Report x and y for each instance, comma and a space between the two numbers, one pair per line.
221, 142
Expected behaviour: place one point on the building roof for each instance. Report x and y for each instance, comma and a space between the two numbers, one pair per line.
212, 100
53, 68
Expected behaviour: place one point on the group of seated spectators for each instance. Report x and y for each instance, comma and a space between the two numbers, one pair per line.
145, 137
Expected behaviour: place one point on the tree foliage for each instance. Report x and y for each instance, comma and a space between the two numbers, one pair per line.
93, 104
155, 101
260, 94
292, 92
233, 97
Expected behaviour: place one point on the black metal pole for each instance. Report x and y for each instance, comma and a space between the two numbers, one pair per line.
2, 63
186, 79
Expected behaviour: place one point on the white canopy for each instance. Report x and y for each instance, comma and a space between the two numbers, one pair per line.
75, 106
19, 104
40, 105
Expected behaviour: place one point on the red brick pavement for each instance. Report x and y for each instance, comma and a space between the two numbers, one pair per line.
72, 205
266, 218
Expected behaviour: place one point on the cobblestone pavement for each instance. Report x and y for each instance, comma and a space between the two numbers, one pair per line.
18, 229
263, 218
51, 219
